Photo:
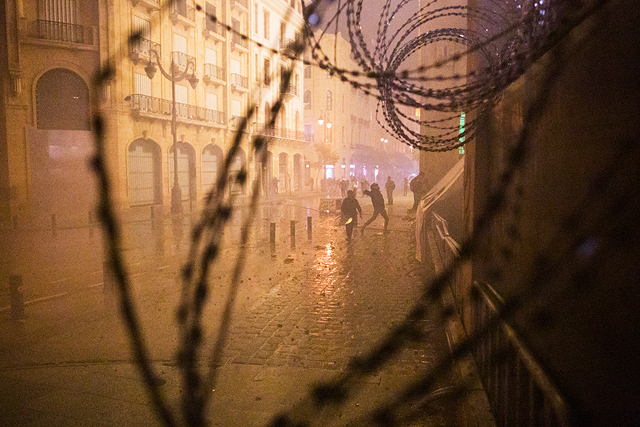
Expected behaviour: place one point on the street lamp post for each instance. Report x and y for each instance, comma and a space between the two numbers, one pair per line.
150, 69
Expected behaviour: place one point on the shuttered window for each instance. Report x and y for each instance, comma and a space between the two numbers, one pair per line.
65, 11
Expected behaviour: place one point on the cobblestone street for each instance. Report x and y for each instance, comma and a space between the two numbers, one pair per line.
301, 314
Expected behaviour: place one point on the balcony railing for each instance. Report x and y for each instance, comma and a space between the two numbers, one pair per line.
212, 71
182, 12
151, 5
234, 121
239, 80
141, 48
62, 32
277, 132
243, 3
238, 40
212, 27
150, 105
292, 90
181, 59
211, 116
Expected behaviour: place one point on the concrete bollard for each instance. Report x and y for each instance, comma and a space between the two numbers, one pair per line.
309, 227
17, 298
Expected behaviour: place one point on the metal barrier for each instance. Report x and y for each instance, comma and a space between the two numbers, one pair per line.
518, 389
520, 392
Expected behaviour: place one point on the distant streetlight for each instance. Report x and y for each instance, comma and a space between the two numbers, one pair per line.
173, 77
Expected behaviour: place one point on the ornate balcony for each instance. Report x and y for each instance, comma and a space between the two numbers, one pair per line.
291, 91
150, 107
277, 132
182, 13
139, 51
211, 28
62, 32
239, 82
234, 121
239, 42
243, 4
150, 5
181, 59
213, 73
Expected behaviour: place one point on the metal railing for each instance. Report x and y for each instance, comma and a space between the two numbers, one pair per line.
63, 32
277, 132
214, 71
449, 251
234, 121
143, 46
239, 80
183, 9
518, 389
150, 105
213, 26
181, 59
243, 3
237, 39
292, 90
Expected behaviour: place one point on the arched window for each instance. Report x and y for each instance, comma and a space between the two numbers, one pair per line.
145, 172
62, 101
329, 100
306, 99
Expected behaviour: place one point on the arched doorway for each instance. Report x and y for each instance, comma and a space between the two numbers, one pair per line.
145, 176
59, 148
62, 101
211, 163
186, 171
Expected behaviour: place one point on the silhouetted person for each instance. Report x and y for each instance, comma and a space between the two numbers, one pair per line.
344, 186
350, 209
364, 184
389, 186
418, 186
378, 206
406, 186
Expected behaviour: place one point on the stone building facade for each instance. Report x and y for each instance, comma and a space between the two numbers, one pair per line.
222, 67
344, 119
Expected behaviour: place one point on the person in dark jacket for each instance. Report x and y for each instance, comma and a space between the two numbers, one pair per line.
389, 186
378, 207
350, 209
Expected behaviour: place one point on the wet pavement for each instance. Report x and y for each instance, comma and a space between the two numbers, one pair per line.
301, 313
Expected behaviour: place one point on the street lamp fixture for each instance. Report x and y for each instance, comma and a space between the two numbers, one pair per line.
173, 76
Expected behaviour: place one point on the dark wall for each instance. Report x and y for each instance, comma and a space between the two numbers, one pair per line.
566, 238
